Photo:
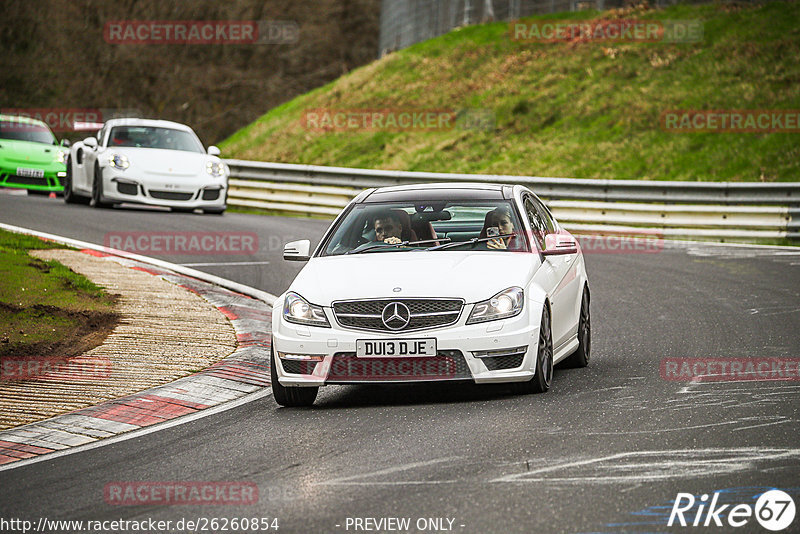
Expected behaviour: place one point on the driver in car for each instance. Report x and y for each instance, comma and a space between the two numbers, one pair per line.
388, 228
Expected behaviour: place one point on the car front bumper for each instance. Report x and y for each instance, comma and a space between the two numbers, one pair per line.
184, 192
332, 359
52, 181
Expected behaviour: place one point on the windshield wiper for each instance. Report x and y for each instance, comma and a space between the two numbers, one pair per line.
469, 241
401, 244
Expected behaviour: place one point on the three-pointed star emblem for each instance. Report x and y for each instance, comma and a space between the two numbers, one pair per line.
396, 316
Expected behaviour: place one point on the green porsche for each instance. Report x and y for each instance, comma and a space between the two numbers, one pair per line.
30, 156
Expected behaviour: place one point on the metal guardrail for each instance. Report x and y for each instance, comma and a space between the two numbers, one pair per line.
723, 211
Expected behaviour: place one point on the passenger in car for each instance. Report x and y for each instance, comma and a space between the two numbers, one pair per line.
501, 219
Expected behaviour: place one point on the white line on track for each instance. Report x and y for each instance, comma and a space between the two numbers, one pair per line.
387, 471
763, 424
225, 263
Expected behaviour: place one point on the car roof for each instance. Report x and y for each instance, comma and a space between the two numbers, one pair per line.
22, 119
440, 191
147, 122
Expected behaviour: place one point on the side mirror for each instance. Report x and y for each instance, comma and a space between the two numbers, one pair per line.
213, 151
91, 142
65, 143
297, 250
558, 244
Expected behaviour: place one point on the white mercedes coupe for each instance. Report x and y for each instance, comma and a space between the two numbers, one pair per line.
433, 282
143, 161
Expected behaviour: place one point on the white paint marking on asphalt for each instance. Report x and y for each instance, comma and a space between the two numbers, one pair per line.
665, 464
144, 431
387, 471
214, 264
518, 477
607, 389
764, 424
392, 483
750, 388
631, 432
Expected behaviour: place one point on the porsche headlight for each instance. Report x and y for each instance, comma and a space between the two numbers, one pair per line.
61, 156
507, 303
215, 168
298, 310
119, 161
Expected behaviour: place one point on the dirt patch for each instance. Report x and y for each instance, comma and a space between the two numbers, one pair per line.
89, 331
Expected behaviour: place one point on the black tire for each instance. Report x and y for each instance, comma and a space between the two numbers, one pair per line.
542, 380
182, 210
97, 190
213, 211
580, 358
36, 192
70, 197
292, 397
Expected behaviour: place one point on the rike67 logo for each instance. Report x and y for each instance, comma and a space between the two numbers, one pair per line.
774, 510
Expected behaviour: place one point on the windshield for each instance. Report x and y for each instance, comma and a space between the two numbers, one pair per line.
153, 137
491, 225
23, 131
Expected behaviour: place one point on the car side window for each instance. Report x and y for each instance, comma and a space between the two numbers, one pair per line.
537, 224
100, 136
547, 220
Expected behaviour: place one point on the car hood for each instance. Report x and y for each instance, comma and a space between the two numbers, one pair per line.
26, 152
473, 276
161, 162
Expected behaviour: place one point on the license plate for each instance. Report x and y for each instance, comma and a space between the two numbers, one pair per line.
388, 348
30, 173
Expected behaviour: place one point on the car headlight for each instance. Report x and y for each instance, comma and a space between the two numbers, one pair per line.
298, 310
507, 303
61, 156
119, 161
215, 168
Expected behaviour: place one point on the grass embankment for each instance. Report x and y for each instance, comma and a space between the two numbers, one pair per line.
583, 110
47, 310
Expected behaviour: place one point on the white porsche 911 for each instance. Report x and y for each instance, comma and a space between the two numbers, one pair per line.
143, 161
433, 282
